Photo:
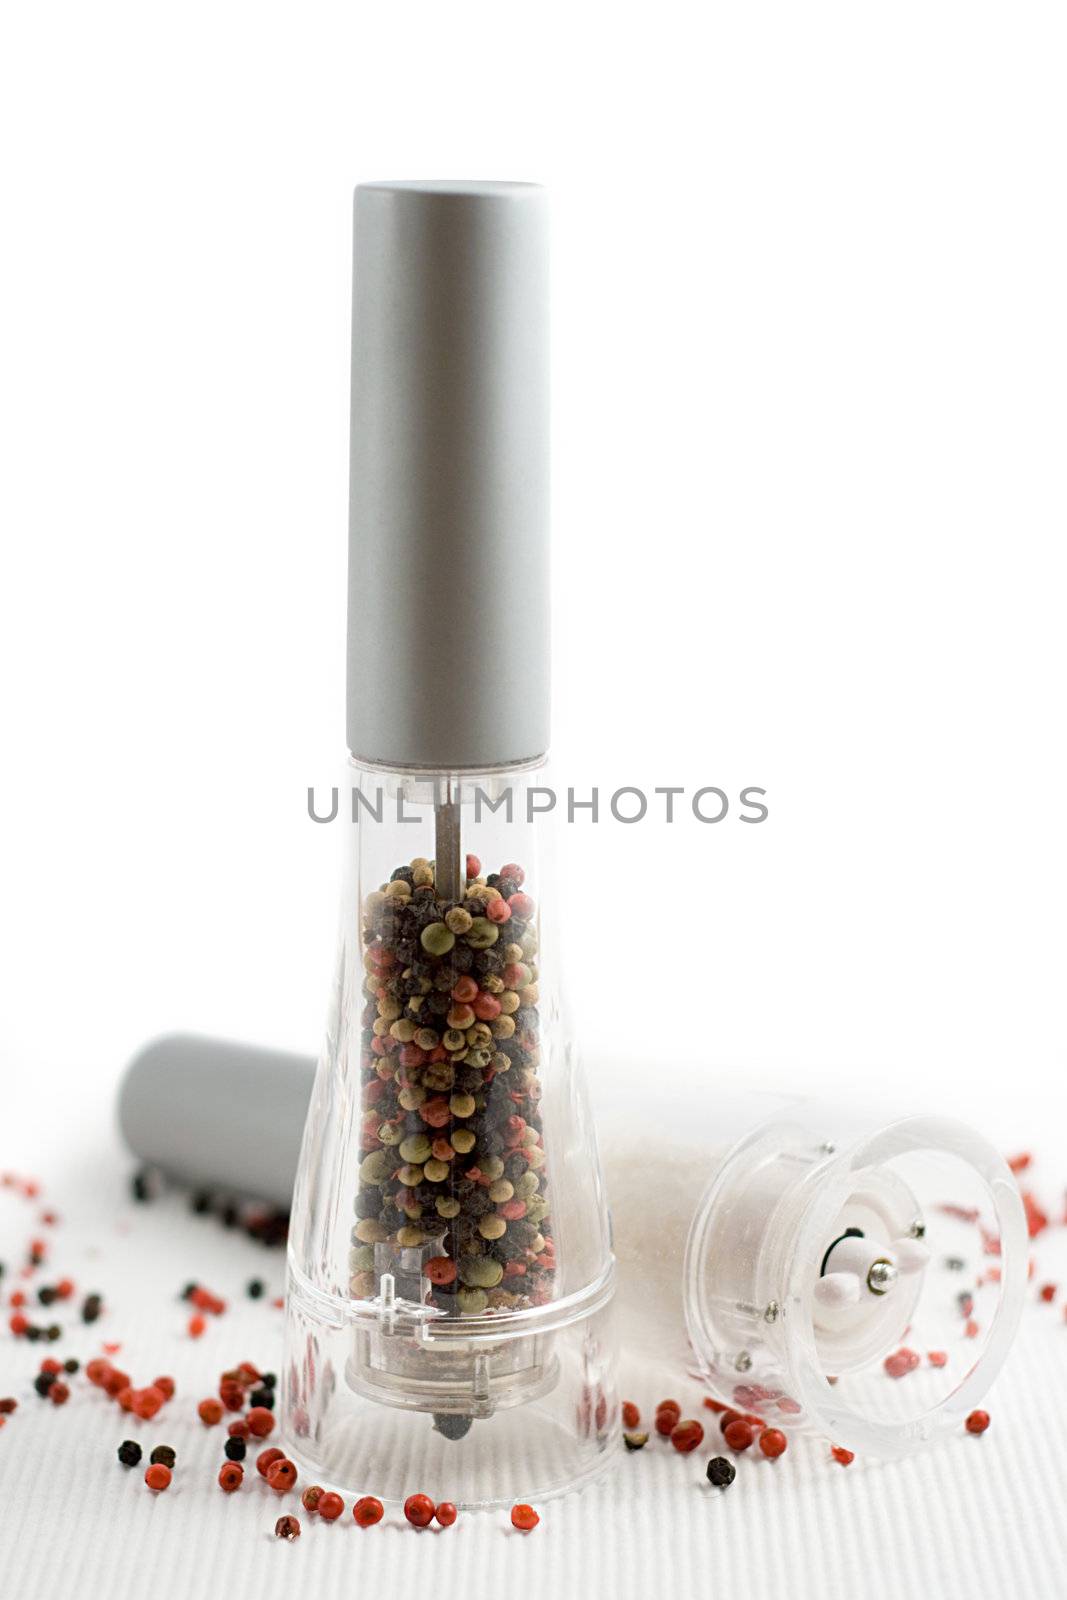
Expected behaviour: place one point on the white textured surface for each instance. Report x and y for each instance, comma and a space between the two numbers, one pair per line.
976, 1518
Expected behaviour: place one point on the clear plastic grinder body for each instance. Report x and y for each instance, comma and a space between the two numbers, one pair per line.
859, 1276
449, 1317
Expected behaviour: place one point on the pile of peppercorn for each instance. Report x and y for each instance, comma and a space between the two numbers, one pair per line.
452, 1196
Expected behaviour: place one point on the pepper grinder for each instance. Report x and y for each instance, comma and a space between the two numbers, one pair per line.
450, 1272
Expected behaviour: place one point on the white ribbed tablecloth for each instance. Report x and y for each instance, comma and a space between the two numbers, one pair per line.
975, 1518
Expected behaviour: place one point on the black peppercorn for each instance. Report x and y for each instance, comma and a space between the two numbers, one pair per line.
256, 1289
269, 1380
53, 1333
262, 1397
43, 1382
200, 1202
70, 1365
129, 1452
721, 1473
92, 1307
46, 1295
33, 1334
162, 1455
236, 1449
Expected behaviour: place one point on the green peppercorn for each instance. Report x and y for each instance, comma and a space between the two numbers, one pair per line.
482, 933
416, 1148
471, 1301
480, 1272
437, 939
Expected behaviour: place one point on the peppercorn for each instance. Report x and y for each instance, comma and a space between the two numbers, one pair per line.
59, 1394
268, 1380
158, 1477
635, 1441
282, 1475
71, 1366
195, 1326
165, 1387
287, 1528
446, 1513
739, 1434
901, 1362
7, 1405
631, 1416
840, 1454
210, 1412
311, 1497
668, 1415
262, 1397
256, 1289
977, 1422
231, 1476
46, 1295
686, 1436
92, 1307
163, 1453
43, 1382
53, 1332
367, 1511
266, 1459
773, 1442
260, 1422
330, 1506
721, 1473
235, 1449
129, 1453
419, 1510
524, 1518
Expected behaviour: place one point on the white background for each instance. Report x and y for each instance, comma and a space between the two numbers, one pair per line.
809, 411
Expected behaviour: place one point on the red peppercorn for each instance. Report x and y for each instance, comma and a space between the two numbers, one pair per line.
631, 1416
311, 1497
282, 1475
97, 1371
440, 1269
231, 1476
330, 1506
367, 1511
977, 1422
524, 1518
739, 1434
686, 1436
115, 1382
238, 1428
474, 866
64, 1289
148, 1402
196, 1326
728, 1416
937, 1358
668, 1414
715, 1405
260, 1421
522, 906
1047, 1293
50, 1364
58, 1393
165, 1387
266, 1459
845, 1457
7, 1405
773, 1443
232, 1396
900, 1363
498, 910
419, 1510
18, 1324
210, 1412
465, 990
446, 1513
158, 1477
287, 1528
18, 1298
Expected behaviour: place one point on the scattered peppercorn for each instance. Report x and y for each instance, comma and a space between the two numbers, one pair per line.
71, 1366
739, 1434
631, 1416
256, 1289
901, 1362
59, 1394
158, 1477
419, 1510
446, 1513
163, 1453
7, 1405
231, 1476
367, 1511
330, 1506
92, 1306
129, 1453
235, 1449
773, 1443
43, 1382
260, 1422
977, 1422
668, 1415
524, 1518
287, 1528
686, 1436
635, 1441
262, 1397
210, 1412
266, 1459
282, 1475
721, 1473
840, 1454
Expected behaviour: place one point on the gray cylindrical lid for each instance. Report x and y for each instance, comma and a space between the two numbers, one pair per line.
448, 549
216, 1114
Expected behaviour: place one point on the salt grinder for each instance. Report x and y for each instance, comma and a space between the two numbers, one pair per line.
450, 1270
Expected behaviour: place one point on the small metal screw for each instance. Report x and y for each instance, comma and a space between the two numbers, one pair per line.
772, 1311
918, 1229
743, 1361
881, 1277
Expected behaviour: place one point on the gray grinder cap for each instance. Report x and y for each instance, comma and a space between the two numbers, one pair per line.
448, 548
218, 1115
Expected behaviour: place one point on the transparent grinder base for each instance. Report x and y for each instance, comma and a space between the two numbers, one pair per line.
863, 1280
